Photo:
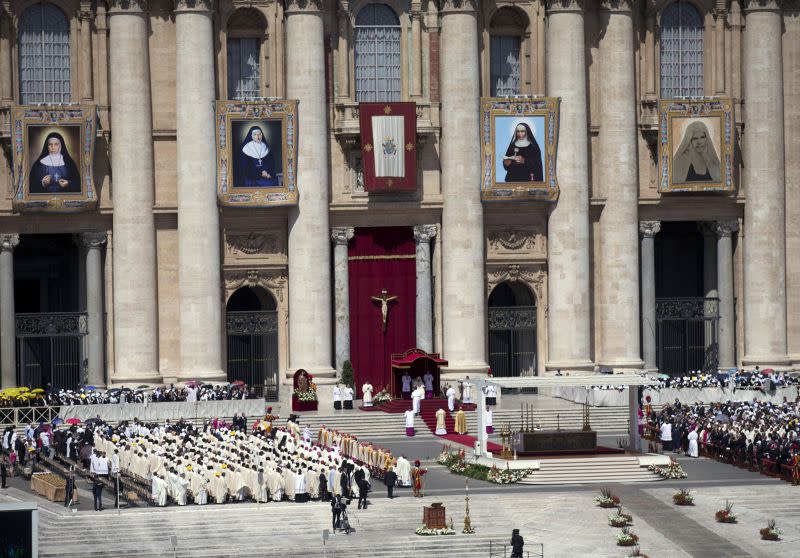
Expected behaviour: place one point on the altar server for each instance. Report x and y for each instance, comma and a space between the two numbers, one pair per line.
409, 422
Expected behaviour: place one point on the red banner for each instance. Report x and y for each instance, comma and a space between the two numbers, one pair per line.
389, 146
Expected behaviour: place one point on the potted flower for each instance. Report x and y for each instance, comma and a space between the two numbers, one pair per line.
607, 499
627, 537
771, 531
636, 553
620, 519
683, 498
671, 471
725, 515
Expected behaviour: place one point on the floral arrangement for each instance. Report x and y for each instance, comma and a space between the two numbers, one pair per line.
308, 395
671, 471
620, 519
507, 475
637, 553
425, 532
456, 463
627, 537
383, 396
683, 498
771, 531
607, 499
725, 515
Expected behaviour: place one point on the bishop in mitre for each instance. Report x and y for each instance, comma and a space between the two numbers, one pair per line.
461, 421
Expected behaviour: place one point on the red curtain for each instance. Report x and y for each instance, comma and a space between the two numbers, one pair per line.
380, 258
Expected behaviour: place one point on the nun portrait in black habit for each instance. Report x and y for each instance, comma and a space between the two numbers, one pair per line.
523, 158
257, 163
54, 171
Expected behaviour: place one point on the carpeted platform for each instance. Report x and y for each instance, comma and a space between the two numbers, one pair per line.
598, 451
427, 412
402, 405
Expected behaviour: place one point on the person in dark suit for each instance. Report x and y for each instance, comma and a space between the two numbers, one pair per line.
363, 490
390, 478
97, 491
517, 543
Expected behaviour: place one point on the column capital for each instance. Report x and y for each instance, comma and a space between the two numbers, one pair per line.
726, 228
8, 242
194, 6
649, 228
295, 6
424, 233
91, 239
449, 6
85, 13
127, 6
564, 6
762, 5
620, 6
342, 235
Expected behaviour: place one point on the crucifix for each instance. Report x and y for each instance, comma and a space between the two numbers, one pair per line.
384, 299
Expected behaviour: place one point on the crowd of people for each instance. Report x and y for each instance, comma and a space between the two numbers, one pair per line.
89, 395
759, 435
755, 379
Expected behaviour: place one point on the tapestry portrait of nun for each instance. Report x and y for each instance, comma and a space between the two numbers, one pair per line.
54, 171
256, 161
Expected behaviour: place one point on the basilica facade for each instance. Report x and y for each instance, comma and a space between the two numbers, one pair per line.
158, 282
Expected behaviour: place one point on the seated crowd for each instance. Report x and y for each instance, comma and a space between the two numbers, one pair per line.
741, 380
760, 435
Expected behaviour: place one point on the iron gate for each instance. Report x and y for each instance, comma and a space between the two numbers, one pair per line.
51, 349
686, 334
512, 340
253, 351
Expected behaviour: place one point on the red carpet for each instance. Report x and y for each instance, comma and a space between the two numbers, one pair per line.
402, 405
427, 412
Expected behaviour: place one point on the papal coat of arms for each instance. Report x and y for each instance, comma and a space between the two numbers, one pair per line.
389, 146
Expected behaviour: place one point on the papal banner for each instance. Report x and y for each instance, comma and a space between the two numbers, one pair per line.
389, 146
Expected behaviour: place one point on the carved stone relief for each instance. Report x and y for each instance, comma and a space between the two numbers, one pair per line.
531, 275
249, 244
527, 241
272, 280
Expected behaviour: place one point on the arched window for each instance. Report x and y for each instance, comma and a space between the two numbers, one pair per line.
377, 53
681, 51
507, 29
246, 31
44, 65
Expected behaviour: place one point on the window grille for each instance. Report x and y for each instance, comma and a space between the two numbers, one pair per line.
504, 67
377, 54
244, 70
44, 62
681, 51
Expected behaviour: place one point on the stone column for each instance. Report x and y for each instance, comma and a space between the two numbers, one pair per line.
634, 440
727, 316
309, 244
720, 12
416, 48
8, 327
709, 275
341, 293
344, 49
765, 210
199, 282
464, 305
569, 308
134, 259
6, 65
648, 230
93, 242
86, 16
424, 309
619, 181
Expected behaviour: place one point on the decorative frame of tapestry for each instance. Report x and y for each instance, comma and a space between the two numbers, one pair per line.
53, 158
257, 177
515, 167
696, 131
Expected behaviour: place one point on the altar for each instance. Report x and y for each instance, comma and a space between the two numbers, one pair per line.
417, 363
555, 440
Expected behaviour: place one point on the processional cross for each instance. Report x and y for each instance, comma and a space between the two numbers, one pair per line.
384, 299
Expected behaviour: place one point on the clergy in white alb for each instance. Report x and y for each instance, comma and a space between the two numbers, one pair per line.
405, 381
367, 390
428, 381
451, 398
337, 397
403, 470
409, 414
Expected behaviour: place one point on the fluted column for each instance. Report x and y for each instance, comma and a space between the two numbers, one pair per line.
134, 259
309, 244
423, 234
765, 210
464, 306
199, 282
568, 244
6, 65
648, 230
341, 293
727, 316
93, 243
618, 177
86, 16
344, 49
8, 328
416, 48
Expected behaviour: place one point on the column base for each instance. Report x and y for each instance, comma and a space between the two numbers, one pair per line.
621, 366
201, 375
323, 375
459, 371
795, 360
570, 366
769, 361
120, 381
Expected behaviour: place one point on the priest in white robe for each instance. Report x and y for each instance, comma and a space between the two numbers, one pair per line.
427, 379
451, 398
467, 388
417, 395
337, 397
487, 420
367, 390
693, 449
403, 470
409, 414
159, 491
347, 393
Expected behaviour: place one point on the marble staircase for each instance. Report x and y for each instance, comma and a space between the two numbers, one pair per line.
592, 470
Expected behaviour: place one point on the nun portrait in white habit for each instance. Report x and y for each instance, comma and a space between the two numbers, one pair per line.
257, 161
